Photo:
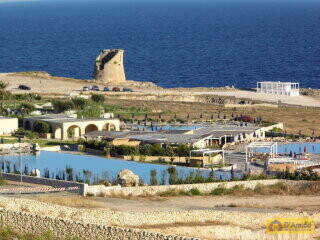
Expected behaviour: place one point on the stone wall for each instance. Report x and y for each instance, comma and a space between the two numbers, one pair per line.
156, 190
64, 229
95, 220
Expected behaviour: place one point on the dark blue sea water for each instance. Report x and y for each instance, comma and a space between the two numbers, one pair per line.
171, 43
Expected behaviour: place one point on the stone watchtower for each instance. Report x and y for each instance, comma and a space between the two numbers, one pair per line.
109, 66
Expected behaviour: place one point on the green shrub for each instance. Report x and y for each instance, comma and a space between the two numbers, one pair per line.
3, 181
195, 192
153, 177
220, 191
62, 105
80, 103
98, 98
41, 127
32, 135
82, 148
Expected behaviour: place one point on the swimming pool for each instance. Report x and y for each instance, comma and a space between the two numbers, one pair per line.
295, 148
100, 167
299, 148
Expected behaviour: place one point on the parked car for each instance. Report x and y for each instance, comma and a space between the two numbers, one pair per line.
127, 90
116, 89
86, 89
95, 88
24, 87
106, 89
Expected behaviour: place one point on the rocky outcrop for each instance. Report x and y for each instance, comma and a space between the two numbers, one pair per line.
127, 178
109, 66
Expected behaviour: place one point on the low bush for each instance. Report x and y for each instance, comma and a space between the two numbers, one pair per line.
41, 127
62, 105
98, 98
195, 192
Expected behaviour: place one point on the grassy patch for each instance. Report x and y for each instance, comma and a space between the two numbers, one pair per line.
3, 182
175, 192
312, 188
275, 189
70, 201
6, 233
41, 142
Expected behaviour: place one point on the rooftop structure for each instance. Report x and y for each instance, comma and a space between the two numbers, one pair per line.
282, 88
201, 138
64, 126
272, 146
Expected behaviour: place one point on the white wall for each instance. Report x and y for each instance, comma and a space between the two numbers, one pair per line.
8, 125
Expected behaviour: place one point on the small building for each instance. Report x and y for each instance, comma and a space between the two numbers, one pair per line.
281, 88
8, 125
64, 126
204, 137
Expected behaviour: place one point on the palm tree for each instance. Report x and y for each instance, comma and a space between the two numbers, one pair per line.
3, 87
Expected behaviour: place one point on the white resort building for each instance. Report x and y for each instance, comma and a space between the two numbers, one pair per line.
8, 125
61, 125
281, 88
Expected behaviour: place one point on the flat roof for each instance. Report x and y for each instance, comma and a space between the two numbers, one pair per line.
60, 118
176, 136
279, 82
261, 144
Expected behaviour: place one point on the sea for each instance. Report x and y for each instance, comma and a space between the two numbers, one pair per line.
176, 43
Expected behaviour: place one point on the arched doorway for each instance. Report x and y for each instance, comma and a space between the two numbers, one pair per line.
27, 125
74, 131
109, 127
91, 128
57, 133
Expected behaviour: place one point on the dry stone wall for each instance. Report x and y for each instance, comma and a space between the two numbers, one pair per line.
155, 190
64, 229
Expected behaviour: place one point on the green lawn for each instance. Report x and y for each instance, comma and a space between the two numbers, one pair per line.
41, 142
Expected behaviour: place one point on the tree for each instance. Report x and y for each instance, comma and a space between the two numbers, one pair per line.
98, 98
80, 103
153, 177
3, 91
173, 175
183, 150
87, 175
62, 106
27, 107
41, 127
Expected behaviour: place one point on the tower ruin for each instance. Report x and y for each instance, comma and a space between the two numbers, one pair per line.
109, 66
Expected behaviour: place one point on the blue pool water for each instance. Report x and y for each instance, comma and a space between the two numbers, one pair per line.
296, 148
173, 43
56, 162
299, 148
